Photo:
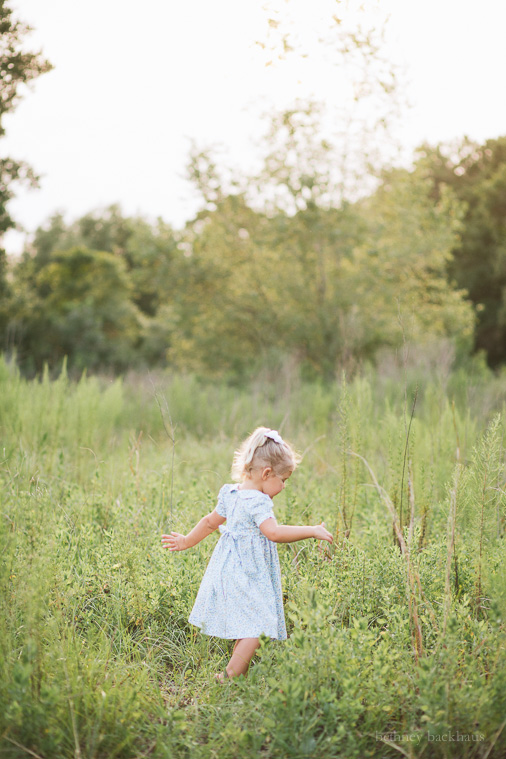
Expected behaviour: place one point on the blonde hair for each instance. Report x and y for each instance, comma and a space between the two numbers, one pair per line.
263, 448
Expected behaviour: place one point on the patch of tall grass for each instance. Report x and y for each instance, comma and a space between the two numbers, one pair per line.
397, 630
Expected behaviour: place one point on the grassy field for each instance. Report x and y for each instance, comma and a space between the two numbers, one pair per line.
397, 637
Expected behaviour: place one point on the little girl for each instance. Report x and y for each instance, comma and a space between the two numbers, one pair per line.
240, 595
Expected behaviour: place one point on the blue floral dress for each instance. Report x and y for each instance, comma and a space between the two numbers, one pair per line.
240, 594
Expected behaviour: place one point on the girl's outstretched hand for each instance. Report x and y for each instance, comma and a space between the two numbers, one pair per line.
321, 532
174, 542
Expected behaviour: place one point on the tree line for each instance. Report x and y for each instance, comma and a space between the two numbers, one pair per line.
241, 284
292, 263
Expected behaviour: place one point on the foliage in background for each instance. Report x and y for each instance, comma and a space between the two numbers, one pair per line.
477, 176
325, 287
293, 263
17, 69
95, 291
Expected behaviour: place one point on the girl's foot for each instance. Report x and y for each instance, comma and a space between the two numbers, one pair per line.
220, 677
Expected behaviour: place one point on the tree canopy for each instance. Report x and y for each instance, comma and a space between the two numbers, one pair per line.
477, 176
17, 69
317, 281
296, 262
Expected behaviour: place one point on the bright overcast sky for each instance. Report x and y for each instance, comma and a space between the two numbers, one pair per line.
134, 82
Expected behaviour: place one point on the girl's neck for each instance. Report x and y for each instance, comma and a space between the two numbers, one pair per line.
251, 483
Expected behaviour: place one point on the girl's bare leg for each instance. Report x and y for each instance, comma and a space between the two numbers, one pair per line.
242, 654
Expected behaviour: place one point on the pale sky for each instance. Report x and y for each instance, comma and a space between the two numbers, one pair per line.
134, 82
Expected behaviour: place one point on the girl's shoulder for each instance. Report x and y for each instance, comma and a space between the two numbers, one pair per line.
244, 504
247, 495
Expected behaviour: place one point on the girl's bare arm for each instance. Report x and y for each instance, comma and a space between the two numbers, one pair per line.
208, 524
284, 533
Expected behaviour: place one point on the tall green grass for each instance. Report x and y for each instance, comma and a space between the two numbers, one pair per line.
97, 658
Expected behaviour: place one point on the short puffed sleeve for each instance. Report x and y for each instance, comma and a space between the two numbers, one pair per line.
221, 506
261, 509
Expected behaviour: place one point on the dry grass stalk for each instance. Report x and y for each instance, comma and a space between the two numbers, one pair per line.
411, 495
165, 414
450, 542
406, 448
134, 454
410, 571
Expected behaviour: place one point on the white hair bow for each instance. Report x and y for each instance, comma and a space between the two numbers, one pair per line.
274, 435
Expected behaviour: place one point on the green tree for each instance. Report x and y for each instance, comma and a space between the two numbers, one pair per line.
147, 254
147, 250
402, 268
78, 306
477, 175
268, 282
324, 285
223, 311
17, 68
